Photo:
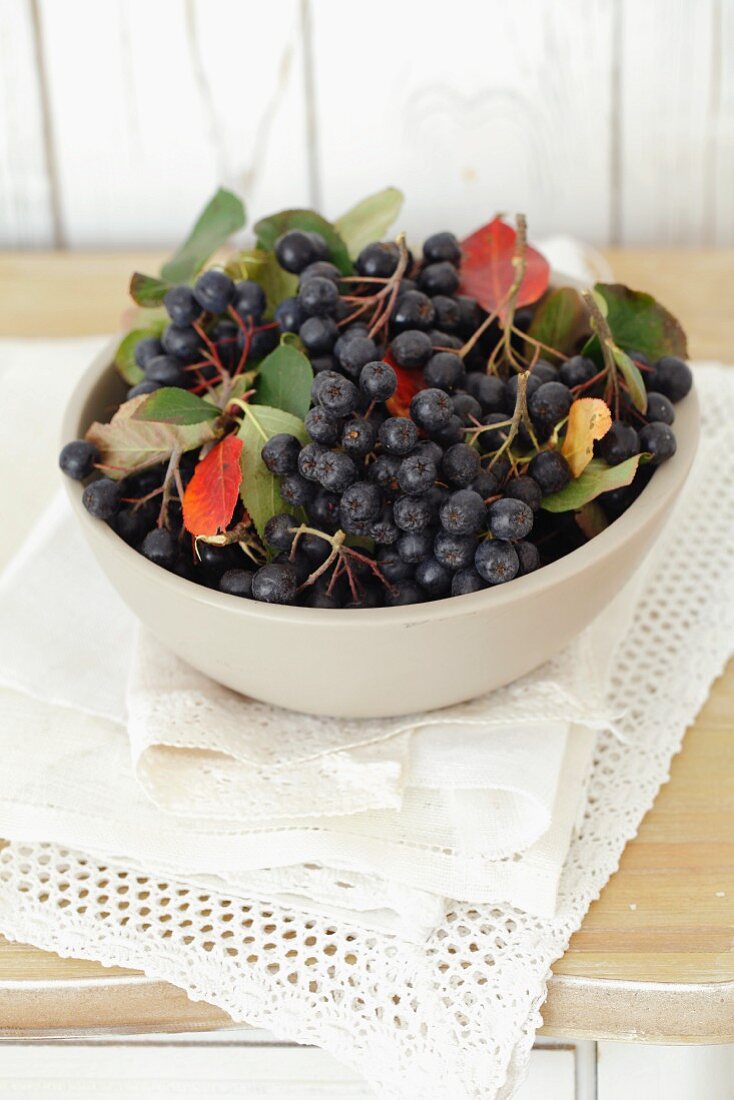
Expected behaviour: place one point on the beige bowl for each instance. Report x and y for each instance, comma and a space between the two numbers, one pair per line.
388, 661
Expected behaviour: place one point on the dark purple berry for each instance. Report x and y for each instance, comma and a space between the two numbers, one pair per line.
181, 305
413, 310
672, 377
289, 315
249, 300
295, 250
577, 370
659, 408
318, 334
335, 471
550, 470
417, 474
460, 465
440, 247
439, 278
296, 491
378, 260
102, 498
146, 349
280, 454
619, 443
528, 556
431, 409
280, 531
411, 349
444, 371
275, 583
466, 581
412, 513
463, 513
236, 582
496, 561
160, 547
433, 577
510, 519
166, 370
322, 426
526, 489
214, 291
77, 459
659, 441
398, 435
318, 297
454, 551
359, 437
378, 380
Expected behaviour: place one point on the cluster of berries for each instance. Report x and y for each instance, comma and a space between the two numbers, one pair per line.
393, 500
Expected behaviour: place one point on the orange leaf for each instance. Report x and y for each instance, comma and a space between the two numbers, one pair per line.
589, 419
487, 272
211, 495
410, 382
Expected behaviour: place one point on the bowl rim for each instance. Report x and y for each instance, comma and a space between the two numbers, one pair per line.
668, 478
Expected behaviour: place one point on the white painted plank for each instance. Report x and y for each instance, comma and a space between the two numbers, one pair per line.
25, 201
722, 149
470, 108
154, 105
667, 122
638, 1071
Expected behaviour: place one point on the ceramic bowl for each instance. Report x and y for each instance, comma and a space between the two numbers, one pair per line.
388, 661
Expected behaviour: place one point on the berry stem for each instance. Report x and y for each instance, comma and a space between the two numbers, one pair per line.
520, 415
606, 341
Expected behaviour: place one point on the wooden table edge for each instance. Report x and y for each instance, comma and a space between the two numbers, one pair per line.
136, 1004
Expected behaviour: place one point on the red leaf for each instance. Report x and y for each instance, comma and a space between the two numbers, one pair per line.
487, 272
409, 383
212, 493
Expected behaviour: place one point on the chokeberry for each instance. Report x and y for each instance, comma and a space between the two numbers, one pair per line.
236, 582
335, 471
450, 434
275, 583
183, 342
659, 441
249, 300
323, 510
308, 460
433, 577
398, 435
411, 349
431, 409
441, 247
280, 453
417, 474
448, 313
378, 380
510, 519
322, 426
659, 408
444, 371
323, 268
357, 354
166, 370
77, 459
214, 291
318, 334
384, 472
358, 437
463, 513
414, 546
526, 489
318, 297
549, 403
338, 395
489, 390
181, 305
672, 377
453, 551
262, 342
289, 315
404, 592
528, 556
577, 370
102, 498
296, 491
378, 260
295, 250
360, 502
460, 465
280, 530
160, 547
413, 310
146, 349
412, 513
384, 531
619, 443
496, 561
550, 470
466, 407
466, 581
439, 278
133, 524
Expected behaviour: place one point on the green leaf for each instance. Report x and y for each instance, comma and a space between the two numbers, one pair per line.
263, 268
639, 323
632, 377
269, 229
597, 478
172, 405
223, 215
128, 445
369, 220
559, 321
285, 380
148, 291
125, 354
259, 489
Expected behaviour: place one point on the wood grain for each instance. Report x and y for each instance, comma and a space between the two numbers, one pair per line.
654, 958
469, 129
26, 218
166, 106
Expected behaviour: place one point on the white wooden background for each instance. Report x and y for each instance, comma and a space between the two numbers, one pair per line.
611, 119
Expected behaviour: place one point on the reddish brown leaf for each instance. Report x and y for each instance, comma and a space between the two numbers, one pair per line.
409, 383
487, 273
213, 491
